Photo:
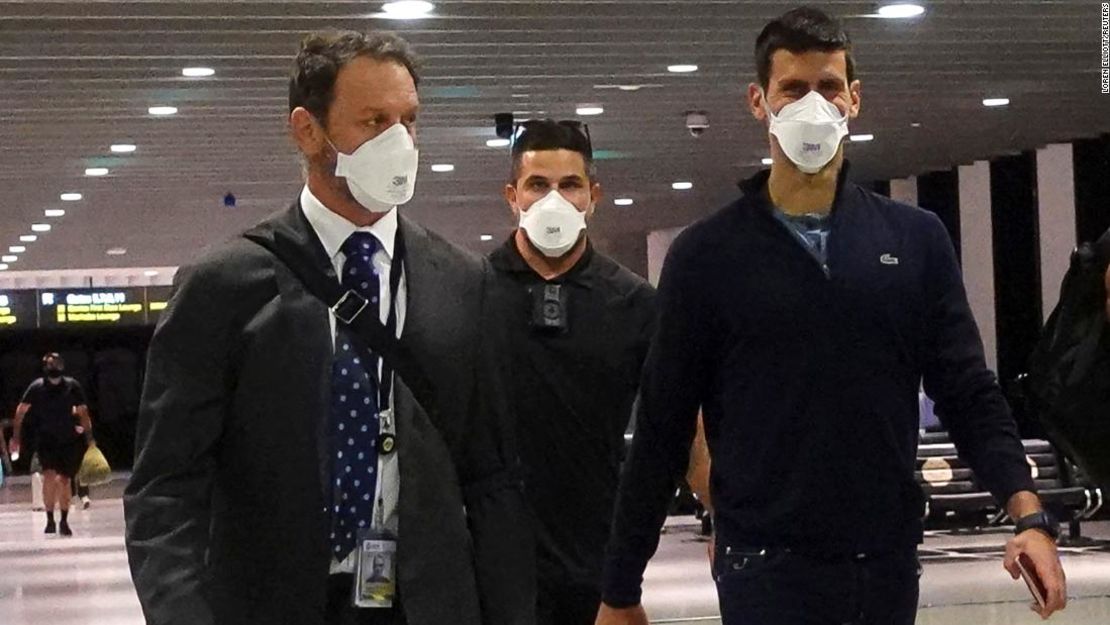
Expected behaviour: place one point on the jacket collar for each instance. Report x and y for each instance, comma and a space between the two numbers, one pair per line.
755, 188
507, 258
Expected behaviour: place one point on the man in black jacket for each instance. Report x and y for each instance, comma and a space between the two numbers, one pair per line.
802, 318
580, 325
254, 388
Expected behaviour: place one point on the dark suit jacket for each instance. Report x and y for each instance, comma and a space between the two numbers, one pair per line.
226, 517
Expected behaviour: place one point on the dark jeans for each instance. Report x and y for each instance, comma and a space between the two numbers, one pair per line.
780, 587
566, 603
341, 612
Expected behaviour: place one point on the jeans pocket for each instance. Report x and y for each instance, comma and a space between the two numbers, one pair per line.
732, 564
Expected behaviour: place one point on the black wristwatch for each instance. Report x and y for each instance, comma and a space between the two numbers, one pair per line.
1042, 520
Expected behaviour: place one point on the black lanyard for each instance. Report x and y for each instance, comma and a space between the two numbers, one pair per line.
396, 270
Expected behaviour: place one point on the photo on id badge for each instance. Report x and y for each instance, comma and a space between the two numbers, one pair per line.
376, 573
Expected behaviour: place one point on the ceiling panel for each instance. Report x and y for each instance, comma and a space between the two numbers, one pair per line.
78, 76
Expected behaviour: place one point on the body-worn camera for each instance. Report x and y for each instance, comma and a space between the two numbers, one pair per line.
549, 307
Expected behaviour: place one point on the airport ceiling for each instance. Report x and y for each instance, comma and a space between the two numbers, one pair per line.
77, 77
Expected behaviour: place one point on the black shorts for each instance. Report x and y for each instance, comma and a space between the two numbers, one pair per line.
62, 457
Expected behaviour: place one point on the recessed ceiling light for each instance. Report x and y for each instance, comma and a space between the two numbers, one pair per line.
17, 249
486, 237
630, 87
28, 238
9, 259
116, 251
443, 168
198, 72
768, 161
162, 111
682, 186
71, 197
498, 143
915, 125
682, 69
123, 148
54, 212
40, 227
996, 101
587, 111
624, 201
150, 274
407, 9
96, 171
901, 10
861, 138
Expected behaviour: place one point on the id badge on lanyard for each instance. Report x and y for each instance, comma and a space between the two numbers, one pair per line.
376, 566
375, 570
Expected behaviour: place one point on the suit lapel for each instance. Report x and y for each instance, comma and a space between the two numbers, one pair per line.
422, 264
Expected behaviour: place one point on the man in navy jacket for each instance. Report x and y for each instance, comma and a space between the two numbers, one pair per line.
802, 319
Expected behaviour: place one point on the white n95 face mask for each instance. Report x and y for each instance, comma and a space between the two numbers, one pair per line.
381, 173
809, 130
553, 224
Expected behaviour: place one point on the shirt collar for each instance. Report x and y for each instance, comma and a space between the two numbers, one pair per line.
334, 230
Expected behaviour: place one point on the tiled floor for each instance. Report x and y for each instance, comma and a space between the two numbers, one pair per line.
84, 580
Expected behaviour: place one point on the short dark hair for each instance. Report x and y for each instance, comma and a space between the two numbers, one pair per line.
548, 134
801, 30
323, 54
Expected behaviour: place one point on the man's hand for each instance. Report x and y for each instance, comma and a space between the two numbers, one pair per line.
1046, 560
621, 616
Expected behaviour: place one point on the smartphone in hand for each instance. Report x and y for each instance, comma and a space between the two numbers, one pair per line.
1032, 580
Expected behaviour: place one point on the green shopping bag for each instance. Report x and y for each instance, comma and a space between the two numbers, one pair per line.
94, 468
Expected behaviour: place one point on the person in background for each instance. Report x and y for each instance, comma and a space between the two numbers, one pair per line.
579, 324
62, 429
81, 492
802, 319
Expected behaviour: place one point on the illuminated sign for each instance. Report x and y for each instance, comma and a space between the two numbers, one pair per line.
123, 306
17, 310
156, 299
53, 308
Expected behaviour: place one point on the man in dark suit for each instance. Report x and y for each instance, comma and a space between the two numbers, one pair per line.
253, 388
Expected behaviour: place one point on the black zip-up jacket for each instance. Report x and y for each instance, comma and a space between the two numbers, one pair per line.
808, 377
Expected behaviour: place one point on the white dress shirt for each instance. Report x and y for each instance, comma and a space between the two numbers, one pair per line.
333, 231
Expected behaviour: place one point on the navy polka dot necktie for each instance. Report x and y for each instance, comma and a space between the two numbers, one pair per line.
354, 409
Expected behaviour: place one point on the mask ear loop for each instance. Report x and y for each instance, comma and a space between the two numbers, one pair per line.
767, 105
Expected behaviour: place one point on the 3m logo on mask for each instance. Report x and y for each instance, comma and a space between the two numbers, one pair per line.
400, 181
552, 230
811, 147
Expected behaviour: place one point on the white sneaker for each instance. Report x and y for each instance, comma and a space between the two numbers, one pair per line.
86, 502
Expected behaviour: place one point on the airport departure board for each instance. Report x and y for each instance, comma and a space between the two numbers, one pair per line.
18, 310
88, 307
28, 309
